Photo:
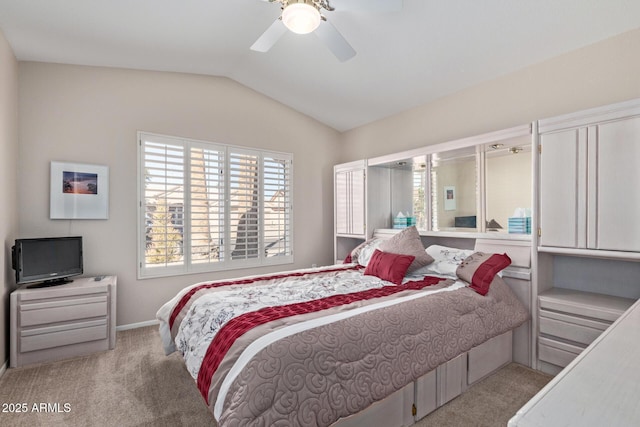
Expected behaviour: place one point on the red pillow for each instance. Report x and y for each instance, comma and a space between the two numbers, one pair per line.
388, 266
480, 268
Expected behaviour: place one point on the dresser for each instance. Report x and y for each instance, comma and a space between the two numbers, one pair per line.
599, 388
571, 320
59, 322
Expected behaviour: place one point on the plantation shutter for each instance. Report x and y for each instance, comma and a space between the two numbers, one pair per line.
163, 201
277, 205
207, 207
244, 188
419, 201
207, 204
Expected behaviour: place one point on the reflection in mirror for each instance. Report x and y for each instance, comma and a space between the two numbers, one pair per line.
454, 190
408, 183
508, 182
419, 192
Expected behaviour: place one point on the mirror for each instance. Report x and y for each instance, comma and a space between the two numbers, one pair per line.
408, 184
454, 195
507, 182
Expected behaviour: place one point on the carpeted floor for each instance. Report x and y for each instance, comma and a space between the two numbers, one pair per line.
137, 385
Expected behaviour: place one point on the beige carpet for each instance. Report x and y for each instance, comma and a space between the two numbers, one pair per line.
136, 385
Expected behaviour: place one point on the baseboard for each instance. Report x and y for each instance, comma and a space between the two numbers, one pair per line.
137, 325
3, 368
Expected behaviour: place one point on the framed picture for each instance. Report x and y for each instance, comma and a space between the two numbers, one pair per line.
79, 191
449, 198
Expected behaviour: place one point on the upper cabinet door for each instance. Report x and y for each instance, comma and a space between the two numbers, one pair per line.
342, 202
562, 208
358, 202
615, 197
350, 200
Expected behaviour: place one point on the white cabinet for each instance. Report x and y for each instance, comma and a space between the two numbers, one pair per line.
570, 321
615, 184
599, 388
560, 175
588, 245
58, 322
350, 201
350, 198
588, 181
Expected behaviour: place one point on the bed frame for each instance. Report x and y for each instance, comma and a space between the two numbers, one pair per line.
416, 400
449, 380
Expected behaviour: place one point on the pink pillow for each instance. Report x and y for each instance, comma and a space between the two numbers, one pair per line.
408, 242
479, 269
388, 266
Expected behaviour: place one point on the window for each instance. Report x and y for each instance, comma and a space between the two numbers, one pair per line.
207, 207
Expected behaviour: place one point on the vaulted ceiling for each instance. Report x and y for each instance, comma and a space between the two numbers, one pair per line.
405, 57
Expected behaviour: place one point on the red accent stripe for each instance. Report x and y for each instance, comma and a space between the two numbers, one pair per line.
237, 326
187, 297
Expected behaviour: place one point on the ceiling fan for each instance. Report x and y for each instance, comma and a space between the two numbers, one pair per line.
304, 16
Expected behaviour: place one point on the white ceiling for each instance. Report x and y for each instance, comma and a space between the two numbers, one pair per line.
406, 58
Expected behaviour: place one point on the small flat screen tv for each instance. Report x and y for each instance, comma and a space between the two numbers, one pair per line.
47, 261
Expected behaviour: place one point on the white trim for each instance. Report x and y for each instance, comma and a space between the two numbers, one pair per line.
3, 368
590, 116
137, 325
472, 141
594, 253
388, 232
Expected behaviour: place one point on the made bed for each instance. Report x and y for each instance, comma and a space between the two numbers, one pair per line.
379, 341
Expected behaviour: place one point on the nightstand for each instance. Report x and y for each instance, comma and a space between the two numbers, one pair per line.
59, 322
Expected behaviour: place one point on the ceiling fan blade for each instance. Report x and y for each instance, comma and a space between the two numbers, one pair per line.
334, 41
269, 37
379, 6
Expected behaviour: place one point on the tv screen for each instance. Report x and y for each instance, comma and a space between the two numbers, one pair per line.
50, 259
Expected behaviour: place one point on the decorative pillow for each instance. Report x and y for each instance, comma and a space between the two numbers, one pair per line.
480, 268
445, 261
407, 242
388, 266
364, 251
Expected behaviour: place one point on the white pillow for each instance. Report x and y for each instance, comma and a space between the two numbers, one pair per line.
445, 261
366, 252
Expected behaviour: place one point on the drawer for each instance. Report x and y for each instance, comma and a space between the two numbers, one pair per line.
597, 306
489, 356
572, 328
57, 337
63, 310
556, 352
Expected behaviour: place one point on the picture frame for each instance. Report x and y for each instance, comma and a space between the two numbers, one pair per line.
79, 191
449, 198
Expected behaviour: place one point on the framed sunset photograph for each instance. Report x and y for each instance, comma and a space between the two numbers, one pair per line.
79, 191
79, 182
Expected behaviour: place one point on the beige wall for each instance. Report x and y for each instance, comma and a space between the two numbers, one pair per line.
8, 187
91, 115
596, 75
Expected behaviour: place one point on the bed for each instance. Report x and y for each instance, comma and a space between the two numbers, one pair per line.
346, 344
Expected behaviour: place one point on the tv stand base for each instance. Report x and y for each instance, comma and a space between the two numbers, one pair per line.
59, 322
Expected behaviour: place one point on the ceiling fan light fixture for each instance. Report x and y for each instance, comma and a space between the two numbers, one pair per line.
301, 18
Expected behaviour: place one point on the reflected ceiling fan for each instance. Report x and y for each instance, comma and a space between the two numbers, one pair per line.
305, 16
